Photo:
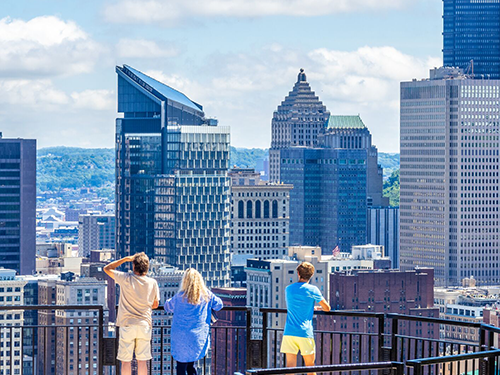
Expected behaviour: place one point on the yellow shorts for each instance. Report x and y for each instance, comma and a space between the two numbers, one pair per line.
134, 338
292, 345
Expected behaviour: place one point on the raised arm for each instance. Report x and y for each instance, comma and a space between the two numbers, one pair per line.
109, 268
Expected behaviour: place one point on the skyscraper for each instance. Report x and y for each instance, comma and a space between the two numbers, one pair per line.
472, 32
297, 122
449, 207
332, 165
95, 232
18, 204
172, 188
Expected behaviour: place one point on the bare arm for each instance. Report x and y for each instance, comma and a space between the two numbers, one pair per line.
323, 306
156, 303
109, 268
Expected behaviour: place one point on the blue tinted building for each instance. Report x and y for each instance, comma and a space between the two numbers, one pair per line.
328, 199
472, 32
172, 188
18, 204
332, 165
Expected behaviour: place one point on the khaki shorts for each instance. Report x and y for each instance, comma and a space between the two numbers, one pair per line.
136, 339
292, 345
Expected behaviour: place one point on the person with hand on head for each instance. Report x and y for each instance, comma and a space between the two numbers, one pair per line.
298, 335
190, 333
139, 294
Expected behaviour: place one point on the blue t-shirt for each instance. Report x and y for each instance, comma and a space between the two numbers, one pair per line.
300, 298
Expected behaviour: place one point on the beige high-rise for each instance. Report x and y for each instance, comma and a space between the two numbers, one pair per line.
449, 208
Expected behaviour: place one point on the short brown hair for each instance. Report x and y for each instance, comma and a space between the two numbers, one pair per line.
141, 263
305, 270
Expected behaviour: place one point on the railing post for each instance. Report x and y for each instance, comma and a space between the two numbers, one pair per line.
381, 337
400, 369
264, 340
394, 340
482, 339
248, 337
100, 366
417, 370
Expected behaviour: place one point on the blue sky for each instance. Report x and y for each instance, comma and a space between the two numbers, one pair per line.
238, 58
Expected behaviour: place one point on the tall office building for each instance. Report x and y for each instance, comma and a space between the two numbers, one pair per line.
332, 165
383, 229
472, 32
449, 210
297, 122
18, 204
95, 232
172, 188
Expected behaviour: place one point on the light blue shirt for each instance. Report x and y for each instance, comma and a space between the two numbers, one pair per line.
190, 332
300, 298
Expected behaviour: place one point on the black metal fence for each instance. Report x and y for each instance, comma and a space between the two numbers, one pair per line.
70, 340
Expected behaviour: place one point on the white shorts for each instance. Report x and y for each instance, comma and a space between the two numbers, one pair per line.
135, 338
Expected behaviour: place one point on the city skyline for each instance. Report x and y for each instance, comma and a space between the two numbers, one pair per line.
237, 65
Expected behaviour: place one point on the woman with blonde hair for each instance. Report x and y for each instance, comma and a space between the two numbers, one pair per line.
190, 333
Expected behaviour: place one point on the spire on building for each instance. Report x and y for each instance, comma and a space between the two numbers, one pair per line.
302, 76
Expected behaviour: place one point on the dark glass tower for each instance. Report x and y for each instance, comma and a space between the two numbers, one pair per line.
172, 188
472, 32
18, 204
332, 165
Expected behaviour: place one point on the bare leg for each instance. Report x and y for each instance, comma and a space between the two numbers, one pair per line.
126, 368
291, 360
142, 367
309, 361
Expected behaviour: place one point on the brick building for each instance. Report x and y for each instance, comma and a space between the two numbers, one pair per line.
230, 343
383, 291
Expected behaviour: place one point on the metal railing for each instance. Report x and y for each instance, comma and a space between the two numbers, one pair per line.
482, 363
395, 368
62, 351
69, 339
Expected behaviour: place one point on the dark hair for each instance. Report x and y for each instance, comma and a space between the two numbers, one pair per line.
141, 263
305, 270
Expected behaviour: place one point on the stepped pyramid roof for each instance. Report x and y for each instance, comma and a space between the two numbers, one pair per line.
302, 97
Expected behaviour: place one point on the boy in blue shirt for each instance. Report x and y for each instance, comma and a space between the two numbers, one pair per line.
298, 335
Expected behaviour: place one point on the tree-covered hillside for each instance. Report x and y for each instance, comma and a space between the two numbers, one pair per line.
390, 163
247, 157
71, 167
391, 188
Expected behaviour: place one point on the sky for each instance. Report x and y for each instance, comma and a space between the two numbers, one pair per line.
238, 58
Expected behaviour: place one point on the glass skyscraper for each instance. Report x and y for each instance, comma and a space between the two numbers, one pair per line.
172, 188
472, 32
332, 165
18, 204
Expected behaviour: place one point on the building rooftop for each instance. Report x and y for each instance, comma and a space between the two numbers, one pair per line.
167, 91
345, 122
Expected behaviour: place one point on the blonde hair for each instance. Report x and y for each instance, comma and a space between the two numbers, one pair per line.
193, 287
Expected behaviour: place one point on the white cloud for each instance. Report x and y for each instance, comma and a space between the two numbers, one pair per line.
41, 94
142, 48
45, 46
94, 99
166, 11
32, 93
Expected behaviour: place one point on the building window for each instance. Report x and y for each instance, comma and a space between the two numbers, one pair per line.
266, 209
275, 209
257, 209
241, 214
249, 209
